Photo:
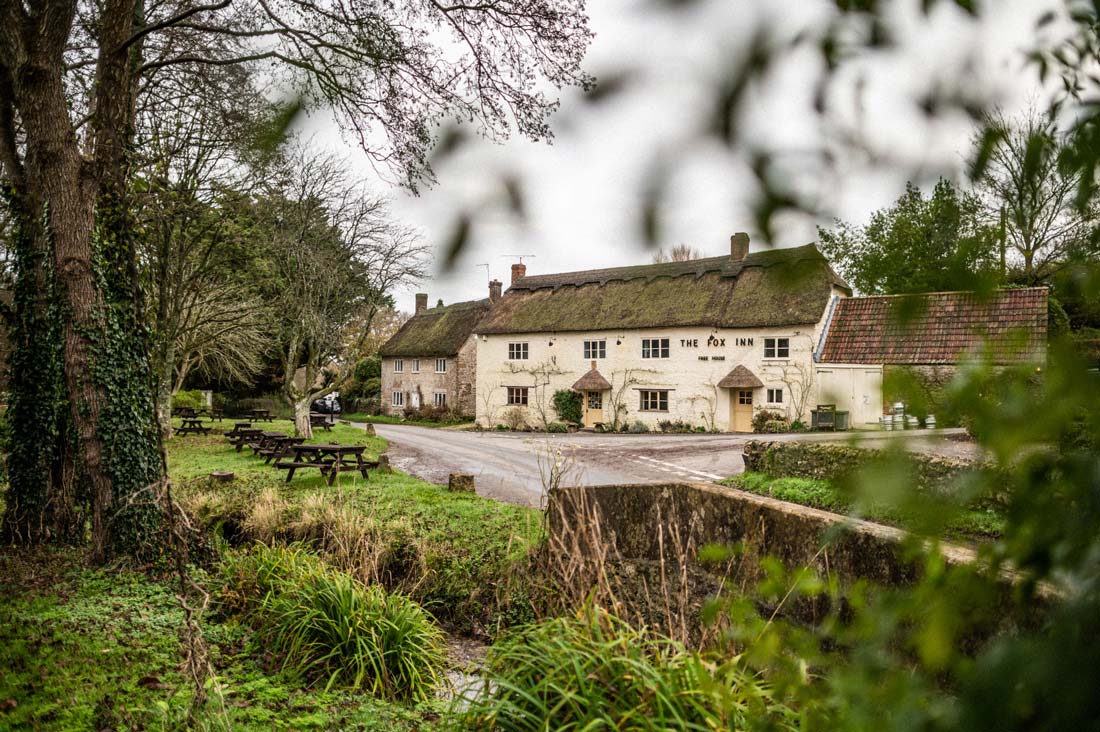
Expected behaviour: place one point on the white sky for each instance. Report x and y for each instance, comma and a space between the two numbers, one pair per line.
583, 190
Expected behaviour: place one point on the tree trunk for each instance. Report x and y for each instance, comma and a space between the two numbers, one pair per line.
302, 426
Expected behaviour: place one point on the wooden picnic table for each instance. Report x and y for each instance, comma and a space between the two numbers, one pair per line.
329, 459
320, 420
261, 414
244, 436
277, 447
192, 426
264, 441
237, 427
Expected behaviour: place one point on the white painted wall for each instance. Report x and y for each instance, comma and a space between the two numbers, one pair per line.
854, 388
557, 360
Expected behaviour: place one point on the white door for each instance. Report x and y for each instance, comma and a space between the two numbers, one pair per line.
414, 399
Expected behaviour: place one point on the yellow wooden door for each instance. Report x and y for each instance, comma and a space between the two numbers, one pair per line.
742, 410
593, 408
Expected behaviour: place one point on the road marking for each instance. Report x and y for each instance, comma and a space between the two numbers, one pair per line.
679, 469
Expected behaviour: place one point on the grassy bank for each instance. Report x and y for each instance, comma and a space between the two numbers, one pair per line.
961, 523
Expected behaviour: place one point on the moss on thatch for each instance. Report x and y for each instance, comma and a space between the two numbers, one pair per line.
772, 288
436, 332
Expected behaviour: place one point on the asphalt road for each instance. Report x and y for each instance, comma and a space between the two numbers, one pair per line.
511, 466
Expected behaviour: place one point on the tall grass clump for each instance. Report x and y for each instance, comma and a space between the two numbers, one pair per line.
593, 671
328, 627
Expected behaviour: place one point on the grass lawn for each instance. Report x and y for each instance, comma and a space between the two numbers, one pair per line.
966, 524
389, 419
85, 648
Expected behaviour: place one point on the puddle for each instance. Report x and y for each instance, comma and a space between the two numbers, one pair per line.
464, 674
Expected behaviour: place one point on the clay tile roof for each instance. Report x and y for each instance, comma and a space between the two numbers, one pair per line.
938, 327
438, 331
592, 381
740, 378
768, 288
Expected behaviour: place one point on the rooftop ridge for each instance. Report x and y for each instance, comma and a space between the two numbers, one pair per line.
947, 292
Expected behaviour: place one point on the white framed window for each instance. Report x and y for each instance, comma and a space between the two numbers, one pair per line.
416, 366
655, 348
517, 395
595, 349
398, 365
653, 400
440, 399
441, 365
775, 396
398, 399
517, 351
777, 348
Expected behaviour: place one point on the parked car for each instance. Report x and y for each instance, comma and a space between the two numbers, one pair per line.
329, 404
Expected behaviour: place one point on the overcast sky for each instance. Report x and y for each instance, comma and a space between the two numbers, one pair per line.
583, 190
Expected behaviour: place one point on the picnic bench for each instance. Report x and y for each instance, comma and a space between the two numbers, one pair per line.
265, 440
192, 426
244, 436
277, 447
237, 427
320, 420
261, 415
329, 459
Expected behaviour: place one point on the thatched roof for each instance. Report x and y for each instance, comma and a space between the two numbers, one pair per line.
592, 381
938, 327
740, 378
436, 332
771, 288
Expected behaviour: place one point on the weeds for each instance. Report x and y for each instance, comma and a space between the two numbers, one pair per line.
595, 672
329, 627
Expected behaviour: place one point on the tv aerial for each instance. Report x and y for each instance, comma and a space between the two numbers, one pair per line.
519, 256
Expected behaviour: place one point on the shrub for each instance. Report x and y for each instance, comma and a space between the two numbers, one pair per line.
774, 426
557, 427
638, 427
188, 400
568, 404
515, 419
595, 672
760, 419
326, 625
667, 425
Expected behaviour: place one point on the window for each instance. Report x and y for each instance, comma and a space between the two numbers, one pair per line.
440, 399
744, 397
595, 400
775, 396
517, 352
441, 365
416, 366
654, 401
398, 365
655, 348
595, 349
517, 395
777, 348
398, 399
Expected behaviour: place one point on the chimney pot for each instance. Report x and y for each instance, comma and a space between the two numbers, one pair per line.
739, 246
494, 291
518, 270
421, 302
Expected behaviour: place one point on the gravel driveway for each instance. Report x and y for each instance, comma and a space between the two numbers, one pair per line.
509, 466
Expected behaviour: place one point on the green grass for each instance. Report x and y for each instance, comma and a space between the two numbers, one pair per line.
960, 523
390, 419
84, 649
463, 557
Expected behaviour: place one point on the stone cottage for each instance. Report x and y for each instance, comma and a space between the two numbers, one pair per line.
432, 359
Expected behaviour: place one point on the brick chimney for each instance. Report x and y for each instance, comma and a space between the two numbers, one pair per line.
739, 246
518, 270
494, 291
421, 302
